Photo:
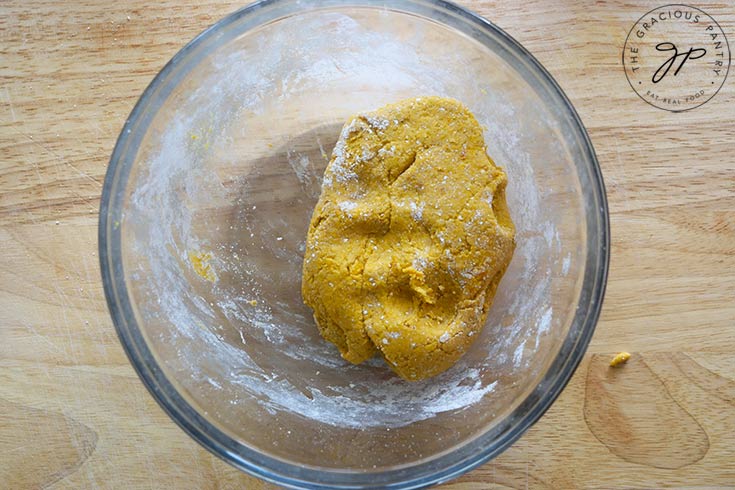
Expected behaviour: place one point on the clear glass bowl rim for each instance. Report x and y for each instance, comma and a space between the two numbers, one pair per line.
449, 465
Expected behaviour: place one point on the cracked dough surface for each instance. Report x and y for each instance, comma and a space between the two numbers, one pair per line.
410, 237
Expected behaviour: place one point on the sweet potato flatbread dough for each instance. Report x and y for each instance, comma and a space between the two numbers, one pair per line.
410, 237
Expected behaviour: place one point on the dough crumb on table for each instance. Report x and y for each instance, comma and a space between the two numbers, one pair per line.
410, 237
619, 359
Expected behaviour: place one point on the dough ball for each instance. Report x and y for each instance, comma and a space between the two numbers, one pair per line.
410, 237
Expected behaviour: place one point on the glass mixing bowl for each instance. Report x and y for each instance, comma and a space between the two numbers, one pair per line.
204, 214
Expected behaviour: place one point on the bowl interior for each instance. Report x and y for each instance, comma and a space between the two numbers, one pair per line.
213, 199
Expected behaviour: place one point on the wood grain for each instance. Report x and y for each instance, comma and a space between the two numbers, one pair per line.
74, 415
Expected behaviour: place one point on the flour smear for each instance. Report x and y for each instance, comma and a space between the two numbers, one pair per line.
246, 335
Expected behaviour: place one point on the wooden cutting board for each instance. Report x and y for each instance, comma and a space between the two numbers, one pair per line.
74, 415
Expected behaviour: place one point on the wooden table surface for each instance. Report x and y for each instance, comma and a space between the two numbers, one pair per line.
74, 415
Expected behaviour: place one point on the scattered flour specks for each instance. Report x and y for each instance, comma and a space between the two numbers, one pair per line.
518, 354
417, 210
545, 323
565, 264
377, 123
347, 206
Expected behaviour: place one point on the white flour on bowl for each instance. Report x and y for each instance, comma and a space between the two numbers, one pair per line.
220, 183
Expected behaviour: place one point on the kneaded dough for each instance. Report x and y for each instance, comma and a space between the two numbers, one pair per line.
410, 237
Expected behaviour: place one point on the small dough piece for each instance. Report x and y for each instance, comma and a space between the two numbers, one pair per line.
410, 237
620, 359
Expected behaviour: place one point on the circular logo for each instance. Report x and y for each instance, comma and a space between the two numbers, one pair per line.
676, 57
